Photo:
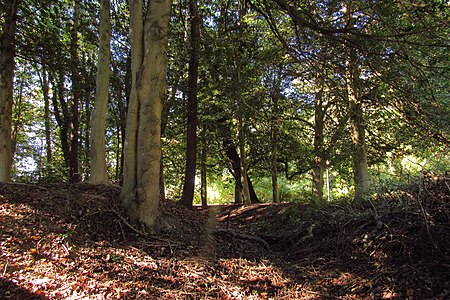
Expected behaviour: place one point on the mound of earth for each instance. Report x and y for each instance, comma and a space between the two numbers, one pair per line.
73, 241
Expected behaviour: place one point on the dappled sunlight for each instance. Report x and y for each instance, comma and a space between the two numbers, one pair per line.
87, 248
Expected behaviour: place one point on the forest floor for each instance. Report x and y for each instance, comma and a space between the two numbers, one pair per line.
62, 241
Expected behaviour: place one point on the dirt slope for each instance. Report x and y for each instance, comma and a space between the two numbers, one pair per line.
64, 241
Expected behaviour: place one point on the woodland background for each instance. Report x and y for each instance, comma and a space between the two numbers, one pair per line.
272, 86
328, 120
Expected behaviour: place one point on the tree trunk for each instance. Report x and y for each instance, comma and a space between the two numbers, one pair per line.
319, 162
233, 156
74, 175
360, 166
99, 173
274, 140
192, 107
244, 177
62, 115
140, 193
203, 185
18, 112
7, 54
47, 122
253, 197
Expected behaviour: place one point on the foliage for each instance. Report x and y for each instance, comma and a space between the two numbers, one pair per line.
401, 54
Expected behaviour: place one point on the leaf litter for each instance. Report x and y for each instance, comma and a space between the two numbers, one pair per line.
73, 241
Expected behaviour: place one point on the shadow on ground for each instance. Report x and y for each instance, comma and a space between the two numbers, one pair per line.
73, 241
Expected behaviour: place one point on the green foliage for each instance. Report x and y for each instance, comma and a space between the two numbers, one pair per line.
401, 55
297, 191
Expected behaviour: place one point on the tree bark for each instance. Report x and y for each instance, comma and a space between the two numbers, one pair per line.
47, 121
274, 138
244, 177
99, 173
360, 166
7, 65
233, 156
62, 115
319, 162
203, 175
140, 193
74, 175
192, 109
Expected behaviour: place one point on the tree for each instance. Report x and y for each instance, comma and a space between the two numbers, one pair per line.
74, 172
7, 54
98, 170
142, 150
192, 108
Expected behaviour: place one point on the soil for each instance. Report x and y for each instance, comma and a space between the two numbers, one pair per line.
73, 241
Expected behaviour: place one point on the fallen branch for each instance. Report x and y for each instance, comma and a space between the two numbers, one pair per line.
244, 236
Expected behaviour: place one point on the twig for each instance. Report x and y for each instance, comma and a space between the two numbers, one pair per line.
376, 215
245, 237
228, 218
4, 269
28, 185
120, 216
128, 224
427, 227
121, 229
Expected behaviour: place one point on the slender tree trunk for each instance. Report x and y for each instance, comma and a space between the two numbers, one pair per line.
274, 161
140, 193
244, 177
203, 187
7, 65
274, 141
87, 116
319, 162
233, 156
44, 80
18, 110
241, 129
47, 122
62, 115
192, 107
130, 142
360, 166
74, 175
99, 173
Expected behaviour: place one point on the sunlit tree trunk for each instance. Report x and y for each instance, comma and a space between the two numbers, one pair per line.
99, 173
140, 193
192, 107
360, 166
7, 54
